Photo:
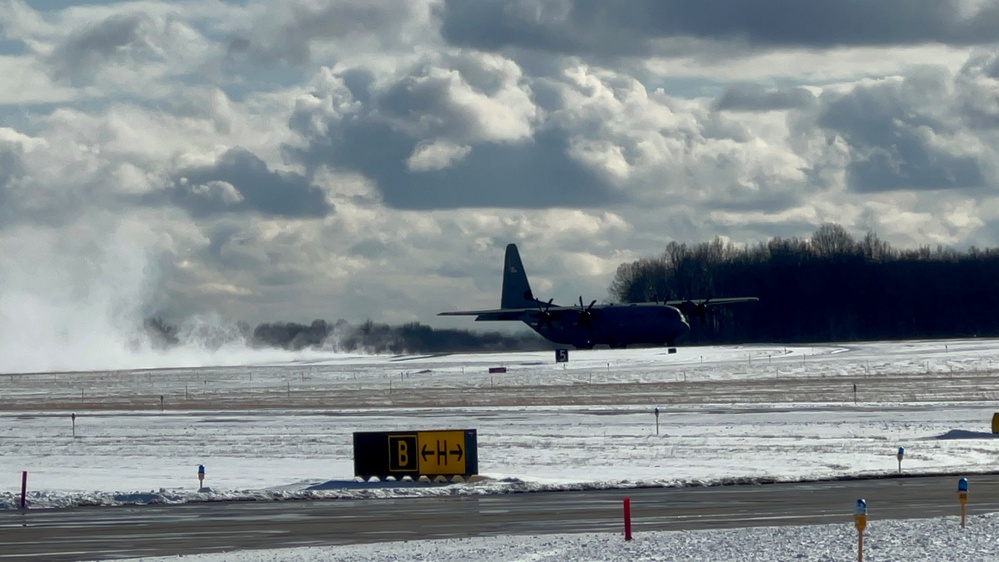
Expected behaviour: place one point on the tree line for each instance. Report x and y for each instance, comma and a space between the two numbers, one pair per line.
367, 337
828, 287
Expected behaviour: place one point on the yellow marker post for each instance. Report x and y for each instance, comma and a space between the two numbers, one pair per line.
962, 496
860, 521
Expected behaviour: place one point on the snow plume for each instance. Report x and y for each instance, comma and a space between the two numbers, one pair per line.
75, 298
211, 332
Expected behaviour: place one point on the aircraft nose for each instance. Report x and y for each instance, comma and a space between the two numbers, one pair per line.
683, 327
677, 320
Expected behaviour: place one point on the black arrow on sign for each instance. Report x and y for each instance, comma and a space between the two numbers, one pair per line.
425, 452
457, 452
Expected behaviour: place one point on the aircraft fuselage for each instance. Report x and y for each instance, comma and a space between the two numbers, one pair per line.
613, 325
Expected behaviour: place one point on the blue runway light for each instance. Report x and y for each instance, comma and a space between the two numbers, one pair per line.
861, 508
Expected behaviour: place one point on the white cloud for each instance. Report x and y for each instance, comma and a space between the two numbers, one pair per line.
25, 142
818, 67
26, 82
587, 148
223, 289
435, 156
221, 190
468, 98
602, 155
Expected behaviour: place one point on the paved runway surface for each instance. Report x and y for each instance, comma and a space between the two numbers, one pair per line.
109, 532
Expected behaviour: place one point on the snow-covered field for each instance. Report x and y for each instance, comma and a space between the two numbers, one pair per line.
729, 412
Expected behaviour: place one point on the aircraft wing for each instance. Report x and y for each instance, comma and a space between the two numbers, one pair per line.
713, 302
494, 314
525, 314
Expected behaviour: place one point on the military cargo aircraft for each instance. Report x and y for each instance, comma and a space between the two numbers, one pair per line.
584, 326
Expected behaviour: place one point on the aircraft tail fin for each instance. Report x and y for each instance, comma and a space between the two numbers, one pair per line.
516, 290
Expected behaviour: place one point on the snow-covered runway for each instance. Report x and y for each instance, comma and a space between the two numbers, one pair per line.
272, 430
749, 412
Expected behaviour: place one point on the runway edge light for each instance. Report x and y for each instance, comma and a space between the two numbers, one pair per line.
860, 522
901, 453
962, 496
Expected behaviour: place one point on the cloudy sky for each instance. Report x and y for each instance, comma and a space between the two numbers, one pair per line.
357, 159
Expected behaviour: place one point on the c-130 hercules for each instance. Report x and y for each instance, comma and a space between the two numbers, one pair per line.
615, 325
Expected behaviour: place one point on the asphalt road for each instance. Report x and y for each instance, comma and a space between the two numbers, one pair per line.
88, 533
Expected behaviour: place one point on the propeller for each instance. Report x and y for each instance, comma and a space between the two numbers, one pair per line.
695, 309
546, 317
586, 313
655, 298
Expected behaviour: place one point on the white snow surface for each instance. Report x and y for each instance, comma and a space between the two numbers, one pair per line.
728, 413
940, 540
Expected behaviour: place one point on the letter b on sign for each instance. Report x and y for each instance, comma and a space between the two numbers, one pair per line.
402, 453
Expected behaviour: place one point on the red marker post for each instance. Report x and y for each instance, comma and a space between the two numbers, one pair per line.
627, 519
